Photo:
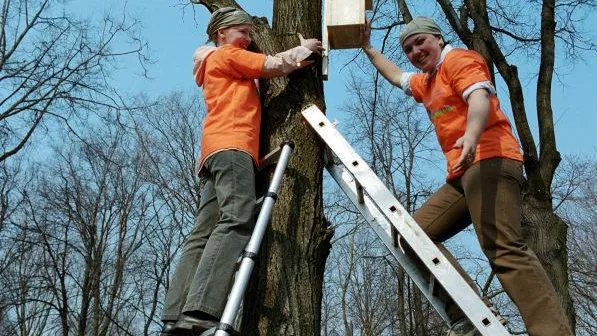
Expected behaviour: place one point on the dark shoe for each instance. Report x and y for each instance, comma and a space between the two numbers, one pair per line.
196, 325
168, 329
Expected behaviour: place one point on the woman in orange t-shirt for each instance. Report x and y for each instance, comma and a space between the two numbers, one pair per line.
229, 152
485, 173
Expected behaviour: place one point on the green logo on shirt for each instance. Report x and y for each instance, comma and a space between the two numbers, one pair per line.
441, 112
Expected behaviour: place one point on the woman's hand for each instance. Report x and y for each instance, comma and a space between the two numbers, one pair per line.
476, 121
468, 148
366, 35
312, 44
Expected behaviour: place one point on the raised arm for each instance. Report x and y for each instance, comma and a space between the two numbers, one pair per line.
390, 71
285, 62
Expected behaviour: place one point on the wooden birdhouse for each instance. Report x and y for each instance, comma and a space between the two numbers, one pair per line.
343, 22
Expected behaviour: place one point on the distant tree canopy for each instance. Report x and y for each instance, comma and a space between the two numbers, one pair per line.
55, 68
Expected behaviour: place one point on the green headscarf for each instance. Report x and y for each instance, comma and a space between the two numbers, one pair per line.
226, 17
420, 24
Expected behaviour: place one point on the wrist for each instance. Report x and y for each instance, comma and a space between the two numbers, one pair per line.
370, 52
472, 137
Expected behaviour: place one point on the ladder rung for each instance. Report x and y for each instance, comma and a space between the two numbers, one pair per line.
270, 158
328, 157
395, 237
259, 204
273, 156
360, 197
431, 284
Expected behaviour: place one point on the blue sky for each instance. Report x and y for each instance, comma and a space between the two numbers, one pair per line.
174, 31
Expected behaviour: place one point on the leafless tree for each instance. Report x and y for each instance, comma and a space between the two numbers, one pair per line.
82, 221
90, 239
54, 68
94, 213
15, 249
575, 196
168, 133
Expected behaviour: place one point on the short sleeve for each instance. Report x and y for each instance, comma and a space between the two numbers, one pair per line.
405, 82
241, 63
466, 69
415, 86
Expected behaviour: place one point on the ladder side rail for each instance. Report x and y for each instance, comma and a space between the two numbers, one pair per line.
246, 266
271, 197
464, 296
382, 228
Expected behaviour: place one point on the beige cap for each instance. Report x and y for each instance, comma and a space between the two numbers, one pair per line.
420, 24
226, 17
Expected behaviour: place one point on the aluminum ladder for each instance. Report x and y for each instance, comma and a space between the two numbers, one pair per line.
266, 203
386, 216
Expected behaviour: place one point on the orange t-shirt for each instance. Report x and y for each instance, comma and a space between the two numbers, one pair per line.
232, 100
442, 94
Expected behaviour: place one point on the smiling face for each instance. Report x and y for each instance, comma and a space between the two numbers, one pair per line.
423, 50
236, 35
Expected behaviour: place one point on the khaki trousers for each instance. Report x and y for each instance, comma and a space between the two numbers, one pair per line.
488, 194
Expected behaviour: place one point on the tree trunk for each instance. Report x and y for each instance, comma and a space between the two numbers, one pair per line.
401, 311
546, 234
292, 259
285, 295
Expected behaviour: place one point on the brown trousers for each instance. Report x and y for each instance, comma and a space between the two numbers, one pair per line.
488, 194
